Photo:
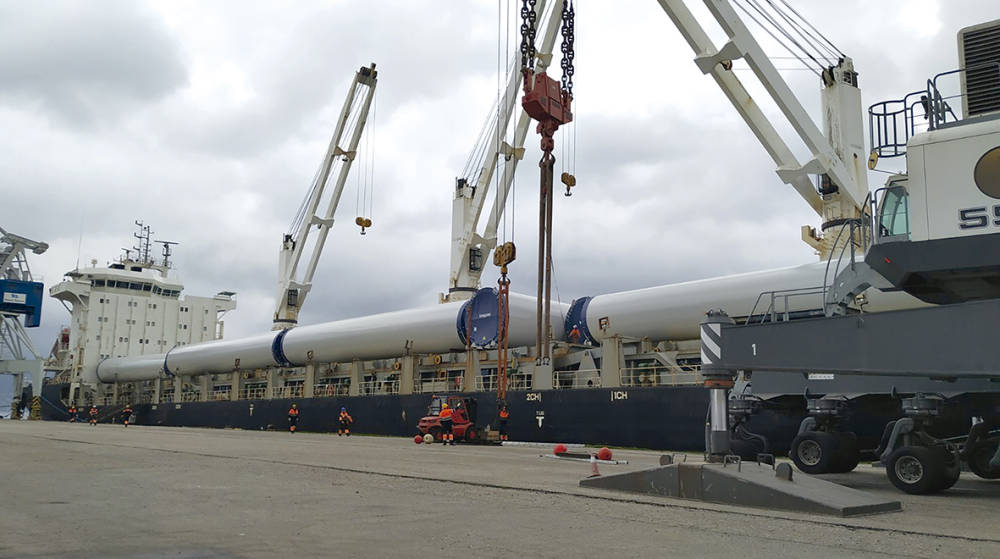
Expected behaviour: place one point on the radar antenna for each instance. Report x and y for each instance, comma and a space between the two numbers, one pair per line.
166, 251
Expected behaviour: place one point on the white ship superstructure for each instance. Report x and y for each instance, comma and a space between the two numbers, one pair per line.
133, 307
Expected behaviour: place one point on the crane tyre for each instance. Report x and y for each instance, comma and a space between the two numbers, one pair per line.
848, 454
815, 452
917, 470
979, 459
952, 470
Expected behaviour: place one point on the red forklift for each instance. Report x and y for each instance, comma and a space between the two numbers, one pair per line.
463, 421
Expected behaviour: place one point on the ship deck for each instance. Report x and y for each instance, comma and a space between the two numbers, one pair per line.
108, 491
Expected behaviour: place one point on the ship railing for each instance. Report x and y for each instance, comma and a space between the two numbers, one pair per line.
515, 381
331, 389
377, 387
425, 386
221, 395
286, 391
192, 396
661, 376
486, 383
581, 378
257, 393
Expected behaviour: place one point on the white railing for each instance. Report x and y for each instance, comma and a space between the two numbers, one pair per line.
192, 396
375, 387
661, 375
221, 395
583, 378
450, 384
287, 391
331, 389
256, 393
515, 381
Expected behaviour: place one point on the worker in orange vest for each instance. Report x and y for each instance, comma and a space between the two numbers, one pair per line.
293, 417
72, 414
126, 414
93, 415
447, 437
504, 415
574, 335
345, 423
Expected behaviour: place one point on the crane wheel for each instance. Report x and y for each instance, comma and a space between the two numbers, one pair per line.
815, 452
979, 459
917, 470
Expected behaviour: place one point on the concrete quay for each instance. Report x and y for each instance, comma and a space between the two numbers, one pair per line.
71, 490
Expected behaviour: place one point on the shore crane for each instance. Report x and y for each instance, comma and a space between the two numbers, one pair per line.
293, 287
837, 154
20, 308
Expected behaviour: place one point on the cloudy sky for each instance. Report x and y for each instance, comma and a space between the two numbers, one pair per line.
207, 120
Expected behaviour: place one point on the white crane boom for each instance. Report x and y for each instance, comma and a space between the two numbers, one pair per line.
292, 291
837, 153
467, 208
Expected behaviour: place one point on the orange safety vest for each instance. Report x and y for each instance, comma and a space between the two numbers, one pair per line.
293, 412
504, 414
345, 417
446, 413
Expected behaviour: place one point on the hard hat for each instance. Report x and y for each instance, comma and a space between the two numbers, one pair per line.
343, 409
444, 406
295, 405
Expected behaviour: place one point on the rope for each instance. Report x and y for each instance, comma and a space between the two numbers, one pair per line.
817, 31
757, 8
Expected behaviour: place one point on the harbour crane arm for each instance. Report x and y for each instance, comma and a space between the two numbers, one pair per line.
471, 192
837, 155
292, 287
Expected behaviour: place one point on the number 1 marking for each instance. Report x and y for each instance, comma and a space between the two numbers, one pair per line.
754, 348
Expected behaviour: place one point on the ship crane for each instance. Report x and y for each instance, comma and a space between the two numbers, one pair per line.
472, 189
836, 154
293, 286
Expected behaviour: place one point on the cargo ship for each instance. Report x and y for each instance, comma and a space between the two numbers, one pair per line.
619, 369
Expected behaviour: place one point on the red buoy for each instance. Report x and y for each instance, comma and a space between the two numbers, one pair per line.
418, 438
604, 454
559, 449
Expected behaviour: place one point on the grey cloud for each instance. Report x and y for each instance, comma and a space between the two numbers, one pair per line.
82, 63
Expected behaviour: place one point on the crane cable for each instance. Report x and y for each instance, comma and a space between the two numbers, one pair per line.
799, 51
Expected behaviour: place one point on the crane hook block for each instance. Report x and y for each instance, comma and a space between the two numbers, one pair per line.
569, 180
363, 223
546, 101
504, 254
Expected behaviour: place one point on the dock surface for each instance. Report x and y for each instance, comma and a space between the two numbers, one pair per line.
71, 490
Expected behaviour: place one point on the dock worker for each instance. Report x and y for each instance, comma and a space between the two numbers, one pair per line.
345, 423
574, 335
293, 417
93, 415
72, 414
504, 416
126, 414
447, 436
